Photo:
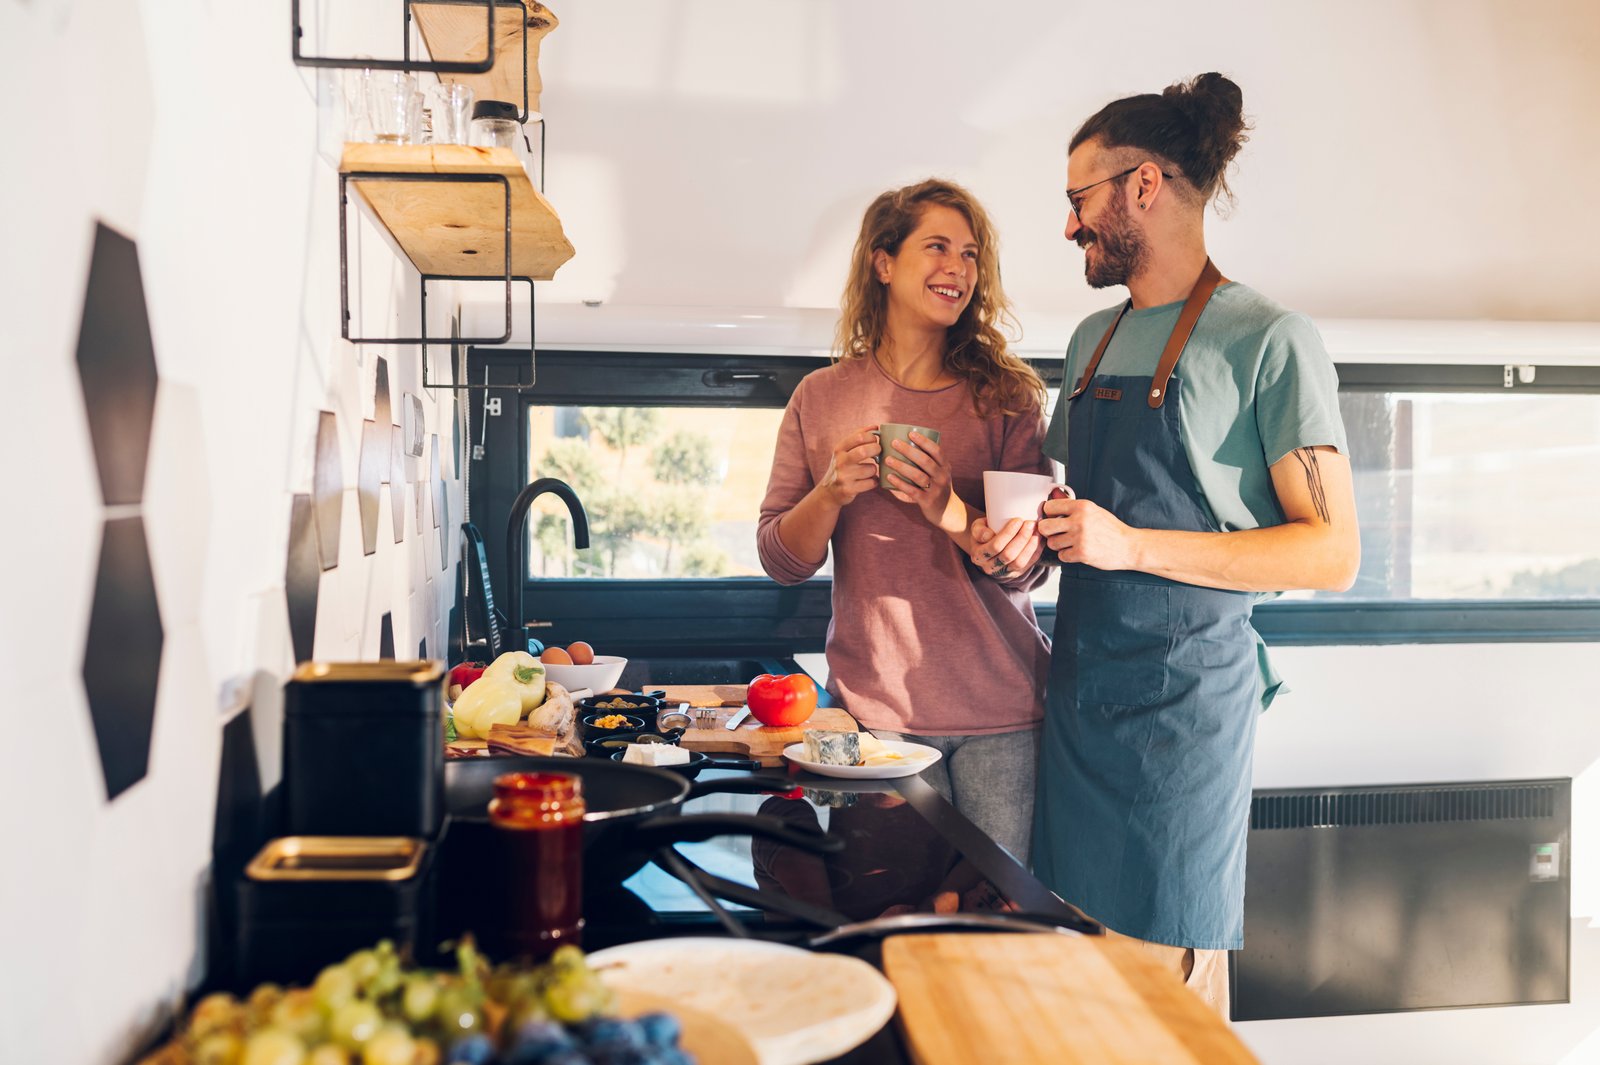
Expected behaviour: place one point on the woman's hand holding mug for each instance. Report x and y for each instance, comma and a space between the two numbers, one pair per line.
853, 467
1006, 541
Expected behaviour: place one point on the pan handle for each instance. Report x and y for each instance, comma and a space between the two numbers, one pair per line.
755, 783
657, 832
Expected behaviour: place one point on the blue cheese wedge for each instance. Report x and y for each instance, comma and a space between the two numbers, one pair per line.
832, 748
655, 754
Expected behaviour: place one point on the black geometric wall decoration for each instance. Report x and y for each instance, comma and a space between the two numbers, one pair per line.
327, 488
397, 482
122, 657
441, 508
382, 412
414, 423
422, 650
302, 576
237, 832
117, 366
436, 483
237, 829
386, 638
369, 480
455, 429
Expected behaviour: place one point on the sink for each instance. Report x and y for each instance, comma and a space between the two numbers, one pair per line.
654, 672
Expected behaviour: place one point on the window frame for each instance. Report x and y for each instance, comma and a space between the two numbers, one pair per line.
755, 616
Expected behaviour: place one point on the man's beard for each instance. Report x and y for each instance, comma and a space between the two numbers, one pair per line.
1122, 252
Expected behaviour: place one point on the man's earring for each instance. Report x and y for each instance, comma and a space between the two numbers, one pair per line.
1143, 205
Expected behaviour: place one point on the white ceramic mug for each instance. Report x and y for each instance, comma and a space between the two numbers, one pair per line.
1008, 495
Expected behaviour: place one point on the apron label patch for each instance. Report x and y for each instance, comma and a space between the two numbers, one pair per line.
1108, 393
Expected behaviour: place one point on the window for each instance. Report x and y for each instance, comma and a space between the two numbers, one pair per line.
1476, 496
670, 491
1480, 504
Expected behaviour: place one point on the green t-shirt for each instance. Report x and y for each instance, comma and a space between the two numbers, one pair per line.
1257, 384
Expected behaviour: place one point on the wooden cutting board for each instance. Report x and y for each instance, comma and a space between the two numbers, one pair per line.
1068, 1000
702, 694
752, 739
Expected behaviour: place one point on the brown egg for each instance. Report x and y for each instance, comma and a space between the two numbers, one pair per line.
582, 654
555, 656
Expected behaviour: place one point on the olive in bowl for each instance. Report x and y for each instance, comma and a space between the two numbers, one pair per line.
646, 706
608, 723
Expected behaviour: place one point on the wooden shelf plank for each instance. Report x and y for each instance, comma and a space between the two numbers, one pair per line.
459, 229
456, 31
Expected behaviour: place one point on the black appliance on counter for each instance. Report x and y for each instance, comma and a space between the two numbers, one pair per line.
306, 901
363, 749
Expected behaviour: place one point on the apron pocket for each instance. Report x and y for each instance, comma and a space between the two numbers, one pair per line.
1124, 632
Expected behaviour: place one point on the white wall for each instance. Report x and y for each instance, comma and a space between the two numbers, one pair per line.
184, 126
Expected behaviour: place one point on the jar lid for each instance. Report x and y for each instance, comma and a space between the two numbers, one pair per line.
494, 109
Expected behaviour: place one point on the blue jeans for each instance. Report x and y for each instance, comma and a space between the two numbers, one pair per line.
989, 779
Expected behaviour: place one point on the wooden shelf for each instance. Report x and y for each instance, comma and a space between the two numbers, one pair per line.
459, 229
456, 31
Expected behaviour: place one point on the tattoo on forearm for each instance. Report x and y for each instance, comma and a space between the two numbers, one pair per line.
1319, 497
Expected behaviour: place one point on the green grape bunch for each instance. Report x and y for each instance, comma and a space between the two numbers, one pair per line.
372, 1009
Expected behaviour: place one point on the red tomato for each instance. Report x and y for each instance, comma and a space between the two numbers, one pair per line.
783, 701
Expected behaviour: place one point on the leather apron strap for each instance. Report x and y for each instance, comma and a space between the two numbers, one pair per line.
1210, 278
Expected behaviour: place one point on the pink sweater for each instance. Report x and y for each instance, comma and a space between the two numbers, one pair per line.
921, 642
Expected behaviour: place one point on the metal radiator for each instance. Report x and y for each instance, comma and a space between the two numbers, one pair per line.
1380, 899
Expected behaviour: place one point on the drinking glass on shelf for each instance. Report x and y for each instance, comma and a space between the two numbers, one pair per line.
451, 107
357, 120
390, 106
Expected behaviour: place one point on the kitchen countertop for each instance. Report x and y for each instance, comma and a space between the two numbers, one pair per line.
906, 850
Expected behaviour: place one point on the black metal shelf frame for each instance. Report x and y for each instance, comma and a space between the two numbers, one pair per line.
444, 66
431, 66
456, 341
508, 277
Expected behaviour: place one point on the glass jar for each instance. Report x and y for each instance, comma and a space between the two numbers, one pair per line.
540, 846
494, 124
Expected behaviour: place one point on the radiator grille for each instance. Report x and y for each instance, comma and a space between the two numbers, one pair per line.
1350, 807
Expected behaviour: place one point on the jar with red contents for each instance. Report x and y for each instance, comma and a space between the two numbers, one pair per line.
540, 867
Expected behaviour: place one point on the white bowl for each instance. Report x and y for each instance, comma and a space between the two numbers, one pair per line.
599, 676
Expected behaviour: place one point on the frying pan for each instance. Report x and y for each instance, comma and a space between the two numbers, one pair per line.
631, 812
699, 760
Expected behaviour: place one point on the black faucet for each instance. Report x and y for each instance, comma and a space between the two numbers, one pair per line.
516, 636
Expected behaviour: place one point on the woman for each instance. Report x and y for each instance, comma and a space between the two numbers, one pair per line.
922, 644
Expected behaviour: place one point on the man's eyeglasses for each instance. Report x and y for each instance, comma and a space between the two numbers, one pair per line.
1075, 196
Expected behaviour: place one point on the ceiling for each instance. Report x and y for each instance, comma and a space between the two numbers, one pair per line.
1416, 159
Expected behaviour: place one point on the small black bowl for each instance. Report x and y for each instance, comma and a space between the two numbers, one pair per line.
607, 744
631, 725
645, 706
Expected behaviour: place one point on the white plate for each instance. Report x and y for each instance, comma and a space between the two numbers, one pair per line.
795, 1007
918, 757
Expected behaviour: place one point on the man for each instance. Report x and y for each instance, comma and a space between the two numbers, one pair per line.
1209, 467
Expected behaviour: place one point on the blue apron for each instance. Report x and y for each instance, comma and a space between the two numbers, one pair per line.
1150, 714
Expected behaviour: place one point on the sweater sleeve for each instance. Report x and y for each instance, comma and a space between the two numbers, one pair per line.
788, 483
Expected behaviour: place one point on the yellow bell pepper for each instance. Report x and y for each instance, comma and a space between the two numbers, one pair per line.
521, 670
487, 702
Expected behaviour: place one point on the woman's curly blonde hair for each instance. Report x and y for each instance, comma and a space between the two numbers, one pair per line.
976, 348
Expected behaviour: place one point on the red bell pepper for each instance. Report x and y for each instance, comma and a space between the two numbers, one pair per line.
461, 676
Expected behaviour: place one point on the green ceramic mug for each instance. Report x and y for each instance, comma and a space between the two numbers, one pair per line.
889, 432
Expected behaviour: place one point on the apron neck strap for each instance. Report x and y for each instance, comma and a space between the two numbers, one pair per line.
1210, 278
